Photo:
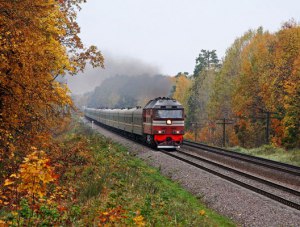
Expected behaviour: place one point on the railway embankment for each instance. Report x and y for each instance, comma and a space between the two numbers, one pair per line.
114, 187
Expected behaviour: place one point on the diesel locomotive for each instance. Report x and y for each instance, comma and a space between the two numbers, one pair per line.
160, 123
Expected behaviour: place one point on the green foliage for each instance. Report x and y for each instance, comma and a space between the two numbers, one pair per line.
93, 189
75, 213
49, 215
25, 211
200, 92
274, 153
205, 61
45, 215
147, 210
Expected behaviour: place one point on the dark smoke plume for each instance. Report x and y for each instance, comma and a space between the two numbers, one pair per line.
93, 77
128, 91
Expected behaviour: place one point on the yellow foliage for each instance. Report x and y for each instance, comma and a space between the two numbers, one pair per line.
3, 223
189, 135
112, 216
181, 92
8, 182
35, 174
139, 220
202, 212
31, 181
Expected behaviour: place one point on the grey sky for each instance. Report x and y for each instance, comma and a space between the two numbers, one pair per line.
169, 34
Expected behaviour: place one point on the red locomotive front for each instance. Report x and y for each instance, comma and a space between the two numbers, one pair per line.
163, 123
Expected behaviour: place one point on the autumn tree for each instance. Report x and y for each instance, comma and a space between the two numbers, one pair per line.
220, 105
285, 82
38, 41
182, 84
221, 98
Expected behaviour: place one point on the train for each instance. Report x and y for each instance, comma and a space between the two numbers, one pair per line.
160, 124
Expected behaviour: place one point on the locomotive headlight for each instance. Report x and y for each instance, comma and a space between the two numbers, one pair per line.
159, 131
178, 132
169, 122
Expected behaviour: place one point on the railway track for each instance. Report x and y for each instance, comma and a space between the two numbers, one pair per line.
283, 167
279, 166
200, 163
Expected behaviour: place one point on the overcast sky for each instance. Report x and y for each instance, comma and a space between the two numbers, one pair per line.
169, 34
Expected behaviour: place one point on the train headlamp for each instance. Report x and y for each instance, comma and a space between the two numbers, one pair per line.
169, 122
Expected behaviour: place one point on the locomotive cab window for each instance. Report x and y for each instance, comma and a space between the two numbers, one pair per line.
169, 114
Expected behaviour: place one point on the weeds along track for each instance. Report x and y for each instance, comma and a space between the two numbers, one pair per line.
278, 166
279, 193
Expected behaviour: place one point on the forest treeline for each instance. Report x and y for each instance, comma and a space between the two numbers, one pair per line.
254, 90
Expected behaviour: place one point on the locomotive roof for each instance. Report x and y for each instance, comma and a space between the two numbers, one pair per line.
163, 103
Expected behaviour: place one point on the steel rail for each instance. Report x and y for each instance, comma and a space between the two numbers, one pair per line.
249, 176
283, 167
240, 183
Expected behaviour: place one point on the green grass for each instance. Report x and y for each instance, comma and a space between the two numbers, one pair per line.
117, 179
273, 153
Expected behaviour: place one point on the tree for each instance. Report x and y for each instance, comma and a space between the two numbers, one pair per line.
205, 61
38, 41
220, 105
207, 67
181, 88
286, 85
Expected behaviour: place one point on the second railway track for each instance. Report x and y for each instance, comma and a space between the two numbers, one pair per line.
279, 166
194, 161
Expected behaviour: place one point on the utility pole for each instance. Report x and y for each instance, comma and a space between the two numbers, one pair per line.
196, 131
268, 121
268, 128
224, 123
196, 125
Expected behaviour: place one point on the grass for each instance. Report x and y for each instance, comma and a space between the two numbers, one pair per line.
273, 153
116, 188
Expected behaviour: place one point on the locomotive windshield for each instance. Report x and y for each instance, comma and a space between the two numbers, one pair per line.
169, 114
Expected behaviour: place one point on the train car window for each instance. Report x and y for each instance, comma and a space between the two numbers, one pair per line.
169, 114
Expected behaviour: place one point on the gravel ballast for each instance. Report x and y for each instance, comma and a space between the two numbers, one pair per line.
244, 207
